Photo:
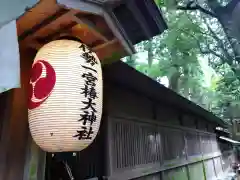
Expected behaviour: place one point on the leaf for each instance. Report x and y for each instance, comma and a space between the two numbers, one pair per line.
160, 3
177, 52
171, 71
171, 38
183, 21
169, 4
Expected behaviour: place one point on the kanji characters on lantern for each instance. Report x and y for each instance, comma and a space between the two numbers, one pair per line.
65, 100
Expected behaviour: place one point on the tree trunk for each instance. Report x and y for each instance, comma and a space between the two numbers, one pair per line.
174, 77
173, 81
232, 35
150, 52
131, 61
225, 16
236, 21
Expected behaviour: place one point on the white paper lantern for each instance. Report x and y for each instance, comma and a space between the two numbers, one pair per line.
65, 101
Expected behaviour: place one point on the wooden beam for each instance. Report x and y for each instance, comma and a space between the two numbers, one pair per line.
36, 14
82, 6
57, 33
46, 33
112, 50
82, 32
59, 23
45, 22
91, 27
104, 45
35, 45
119, 33
30, 44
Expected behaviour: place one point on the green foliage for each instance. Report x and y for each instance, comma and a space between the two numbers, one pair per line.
170, 4
160, 3
194, 36
228, 90
131, 61
152, 71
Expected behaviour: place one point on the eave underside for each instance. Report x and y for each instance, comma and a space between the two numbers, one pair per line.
49, 20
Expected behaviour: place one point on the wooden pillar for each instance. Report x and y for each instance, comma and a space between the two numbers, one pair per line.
5, 101
14, 141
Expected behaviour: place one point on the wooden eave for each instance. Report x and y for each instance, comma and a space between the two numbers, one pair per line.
49, 20
140, 84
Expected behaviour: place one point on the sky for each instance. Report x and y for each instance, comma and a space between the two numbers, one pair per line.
207, 70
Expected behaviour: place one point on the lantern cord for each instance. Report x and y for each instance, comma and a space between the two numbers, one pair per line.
68, 170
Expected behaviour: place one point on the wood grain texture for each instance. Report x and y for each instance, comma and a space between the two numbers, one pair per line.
5, 102
48, 20
15, 130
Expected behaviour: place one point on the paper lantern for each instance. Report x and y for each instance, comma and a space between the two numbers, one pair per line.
65, 101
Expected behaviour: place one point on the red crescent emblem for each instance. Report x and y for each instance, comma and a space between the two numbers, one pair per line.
42, 82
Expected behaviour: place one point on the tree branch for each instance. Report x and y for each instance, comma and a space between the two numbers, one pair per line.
215, 6
192, 7
228, 57
231, 5
206, 51
210, 51
213, 52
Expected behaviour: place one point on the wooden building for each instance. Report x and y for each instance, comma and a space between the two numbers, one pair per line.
147, 131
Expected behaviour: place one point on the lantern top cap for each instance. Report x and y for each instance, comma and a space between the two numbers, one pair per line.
70, 38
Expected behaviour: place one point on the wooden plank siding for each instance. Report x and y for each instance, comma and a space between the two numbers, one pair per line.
5, 102
151, 138
14, 134
144, 146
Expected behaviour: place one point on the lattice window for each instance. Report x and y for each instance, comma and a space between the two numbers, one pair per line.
196, 171
193, 143
135, 144
225, 163
209, 169
215, 146
174, 144
206, 145
218, 165
152, 144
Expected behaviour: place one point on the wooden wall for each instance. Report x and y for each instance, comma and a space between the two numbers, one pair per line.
127, 102
149, 139
14, 135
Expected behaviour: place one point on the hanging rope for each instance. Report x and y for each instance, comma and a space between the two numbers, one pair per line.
69, 171
61, 159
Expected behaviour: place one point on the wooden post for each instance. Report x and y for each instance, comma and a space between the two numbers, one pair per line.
35, 162
14, 141
5, 102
